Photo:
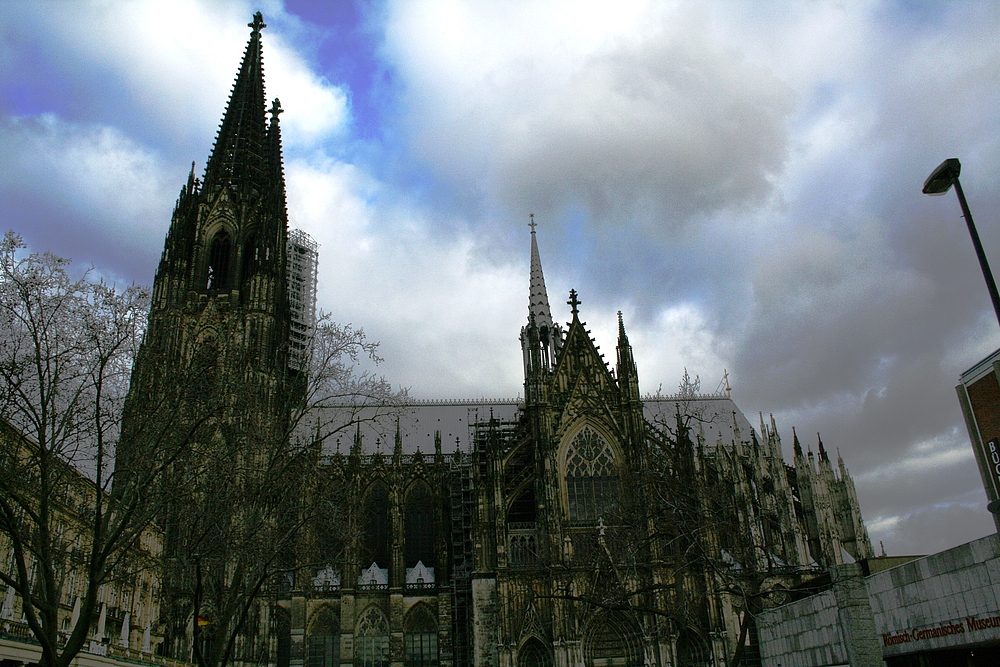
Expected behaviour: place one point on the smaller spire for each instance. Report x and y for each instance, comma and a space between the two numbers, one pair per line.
356, 445
795, 441
822, 450
628, 377
397, 451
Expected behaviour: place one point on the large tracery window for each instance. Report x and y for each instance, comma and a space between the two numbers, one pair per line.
372, 642
420, 640
591, 481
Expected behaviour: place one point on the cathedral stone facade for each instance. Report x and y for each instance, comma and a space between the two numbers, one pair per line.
583, 524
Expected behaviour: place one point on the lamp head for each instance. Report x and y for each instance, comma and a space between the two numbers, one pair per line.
941, 179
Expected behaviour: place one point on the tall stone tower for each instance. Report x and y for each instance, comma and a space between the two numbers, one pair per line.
220, 307
215, 372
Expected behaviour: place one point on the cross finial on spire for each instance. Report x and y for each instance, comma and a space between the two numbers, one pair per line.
573, 302
276, 108
532, 224
258, 24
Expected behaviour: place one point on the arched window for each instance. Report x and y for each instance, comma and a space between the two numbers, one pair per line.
420, 527
283, 621
533, 654
522, 509
377, 527
218, 261
372, 640
420, 640
612, 640
591, 482
323, 646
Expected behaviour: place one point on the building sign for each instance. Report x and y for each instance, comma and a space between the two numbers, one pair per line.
979, 395
961, 627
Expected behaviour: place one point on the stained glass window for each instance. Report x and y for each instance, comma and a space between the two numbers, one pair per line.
323, 647
591, 483
371, 646
420, 640
420, 527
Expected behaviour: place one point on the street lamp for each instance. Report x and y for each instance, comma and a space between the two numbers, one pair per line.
938, 183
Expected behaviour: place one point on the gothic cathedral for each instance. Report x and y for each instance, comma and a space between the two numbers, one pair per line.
586, 524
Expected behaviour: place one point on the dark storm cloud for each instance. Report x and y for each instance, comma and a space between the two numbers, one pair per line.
649, 129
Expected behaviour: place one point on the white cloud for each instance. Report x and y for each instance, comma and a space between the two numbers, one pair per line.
447, 321
103, 182
178, 61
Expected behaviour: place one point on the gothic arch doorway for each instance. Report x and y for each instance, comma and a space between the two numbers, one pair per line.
612, 640
533, 653
692, 649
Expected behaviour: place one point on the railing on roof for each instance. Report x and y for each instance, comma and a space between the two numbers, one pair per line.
414, 402
653, 398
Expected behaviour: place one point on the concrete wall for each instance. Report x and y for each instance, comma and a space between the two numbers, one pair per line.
947, 600
806, 633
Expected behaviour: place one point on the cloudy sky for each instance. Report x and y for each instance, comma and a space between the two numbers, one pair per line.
743, 183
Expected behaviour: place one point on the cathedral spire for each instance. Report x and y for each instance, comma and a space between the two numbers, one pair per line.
541, 340
795, 443
239, 147
538, 298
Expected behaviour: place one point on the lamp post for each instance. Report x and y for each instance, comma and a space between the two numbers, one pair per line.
938, 183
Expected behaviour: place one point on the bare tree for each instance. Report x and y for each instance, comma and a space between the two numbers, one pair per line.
701, 518
238, 539
66, 351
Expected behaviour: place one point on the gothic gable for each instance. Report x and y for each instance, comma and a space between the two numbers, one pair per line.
582, 385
